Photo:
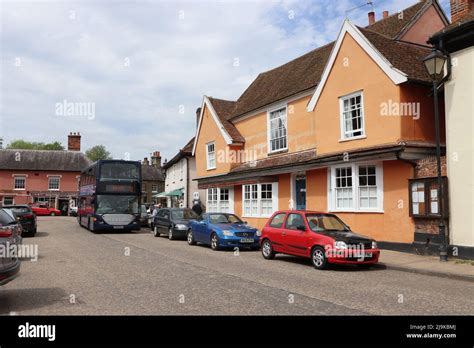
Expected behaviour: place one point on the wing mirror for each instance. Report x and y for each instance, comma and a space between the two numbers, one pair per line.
301, 228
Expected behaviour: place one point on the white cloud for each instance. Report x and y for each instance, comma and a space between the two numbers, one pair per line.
77, 51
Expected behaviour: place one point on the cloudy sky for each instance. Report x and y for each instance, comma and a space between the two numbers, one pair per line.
141, 67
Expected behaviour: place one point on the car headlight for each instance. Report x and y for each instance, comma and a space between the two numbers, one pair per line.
227, 233
340, 245
180, 227
258, 233
374, 245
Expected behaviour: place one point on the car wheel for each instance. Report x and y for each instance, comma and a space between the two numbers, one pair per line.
155, 231
318, 258
190, 238
52, 214
214, 242
267, 250
170, 233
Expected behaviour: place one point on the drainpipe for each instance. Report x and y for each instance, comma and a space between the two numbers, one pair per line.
187, 183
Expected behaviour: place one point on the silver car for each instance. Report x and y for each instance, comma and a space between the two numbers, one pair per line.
10, 242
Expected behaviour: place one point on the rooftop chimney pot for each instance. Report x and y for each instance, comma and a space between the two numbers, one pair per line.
74, 142
385, 14
371, 17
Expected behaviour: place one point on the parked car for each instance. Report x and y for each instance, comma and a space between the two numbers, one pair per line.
322, 237
26, 217
143, 216
173, 222
10, 235
222, 230
44, 210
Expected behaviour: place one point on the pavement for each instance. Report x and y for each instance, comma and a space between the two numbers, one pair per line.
429, 265
83, 273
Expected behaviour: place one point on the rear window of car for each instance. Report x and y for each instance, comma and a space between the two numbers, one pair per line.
5, 218
277, 220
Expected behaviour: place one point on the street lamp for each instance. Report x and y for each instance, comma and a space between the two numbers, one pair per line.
434, 64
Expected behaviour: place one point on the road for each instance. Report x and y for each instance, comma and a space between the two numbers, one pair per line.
81, 273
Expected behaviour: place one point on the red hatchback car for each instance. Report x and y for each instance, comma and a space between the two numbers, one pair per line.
322, 237
42, 211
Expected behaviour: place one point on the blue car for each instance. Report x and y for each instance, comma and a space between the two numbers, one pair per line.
222, 230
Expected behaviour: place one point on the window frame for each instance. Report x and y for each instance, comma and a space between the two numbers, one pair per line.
331, 192
342, 123
257, 213
49, 182
12, 200
208, 166
269, 128
217, 203
17, 176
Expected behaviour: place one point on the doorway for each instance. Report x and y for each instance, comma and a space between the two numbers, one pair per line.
300, 192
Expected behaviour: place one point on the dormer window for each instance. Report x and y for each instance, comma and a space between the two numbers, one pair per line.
352, 116
211, 155
277, 130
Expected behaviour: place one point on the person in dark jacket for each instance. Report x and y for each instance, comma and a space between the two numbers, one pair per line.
197, 207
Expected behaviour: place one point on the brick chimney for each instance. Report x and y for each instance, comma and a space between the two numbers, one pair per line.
156, 159
74, 141
198, 113
371, 15
460, 8
145, 162
385, 14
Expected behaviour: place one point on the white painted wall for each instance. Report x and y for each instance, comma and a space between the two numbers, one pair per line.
176, 178
459, 98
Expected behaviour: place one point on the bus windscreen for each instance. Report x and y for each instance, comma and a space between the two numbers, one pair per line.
117, 204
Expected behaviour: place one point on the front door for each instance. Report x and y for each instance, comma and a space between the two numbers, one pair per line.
63, 206
300, 190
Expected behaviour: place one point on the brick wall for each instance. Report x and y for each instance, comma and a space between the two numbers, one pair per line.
426, 168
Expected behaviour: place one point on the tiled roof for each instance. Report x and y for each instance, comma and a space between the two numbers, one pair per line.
404, 56
152, 173
291, 78
224, 110
393, 25
305, 72
68, 161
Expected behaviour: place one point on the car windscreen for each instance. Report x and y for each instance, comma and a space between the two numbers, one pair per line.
224, 219
118, 171
5, 218
117, 204
185, 214
321, 222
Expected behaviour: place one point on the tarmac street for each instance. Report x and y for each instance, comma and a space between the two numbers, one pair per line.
83, 273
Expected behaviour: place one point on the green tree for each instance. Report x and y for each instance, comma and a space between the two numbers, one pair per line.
98, 152
32, 145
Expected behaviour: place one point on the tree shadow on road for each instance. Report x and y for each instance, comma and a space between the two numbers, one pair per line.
18, 300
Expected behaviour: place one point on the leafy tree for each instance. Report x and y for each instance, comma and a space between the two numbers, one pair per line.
32, 145
98, 152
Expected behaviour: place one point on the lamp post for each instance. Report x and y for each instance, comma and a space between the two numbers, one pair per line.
434, 64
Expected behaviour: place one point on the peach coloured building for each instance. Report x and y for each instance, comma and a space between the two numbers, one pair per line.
37, 176
343, 128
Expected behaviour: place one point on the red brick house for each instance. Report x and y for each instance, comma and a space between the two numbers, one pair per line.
35, 176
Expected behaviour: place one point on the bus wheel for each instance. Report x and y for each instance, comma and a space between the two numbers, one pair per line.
155, 232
